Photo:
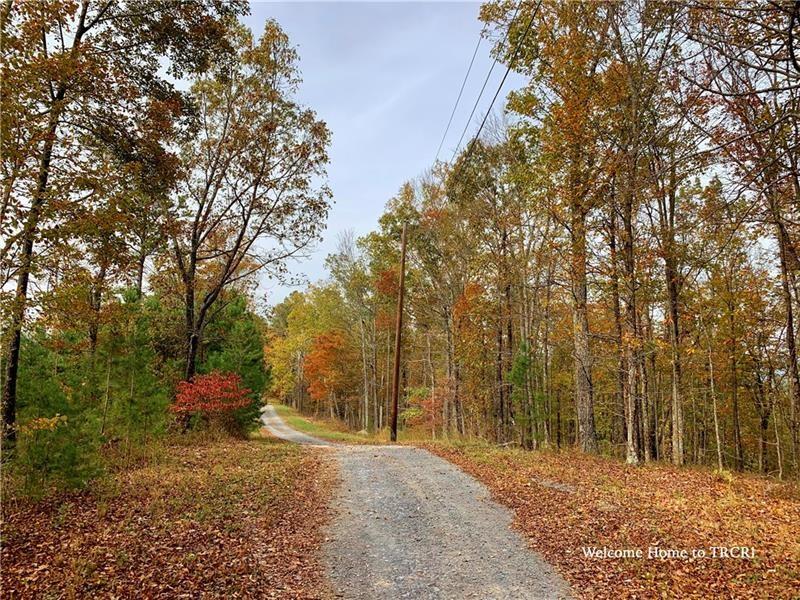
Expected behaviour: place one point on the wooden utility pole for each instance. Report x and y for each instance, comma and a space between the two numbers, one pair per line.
398, 335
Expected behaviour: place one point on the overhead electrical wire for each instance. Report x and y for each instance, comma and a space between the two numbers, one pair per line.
458, 99
511, 62
486, 80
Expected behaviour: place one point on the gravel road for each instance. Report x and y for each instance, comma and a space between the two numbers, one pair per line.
408, 524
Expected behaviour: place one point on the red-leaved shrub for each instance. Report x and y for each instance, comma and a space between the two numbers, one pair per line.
214, 393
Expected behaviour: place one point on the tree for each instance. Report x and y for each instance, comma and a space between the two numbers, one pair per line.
85, 71
747, 72
250, 198
564, 59
212, 393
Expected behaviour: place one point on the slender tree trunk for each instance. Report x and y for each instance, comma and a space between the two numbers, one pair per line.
107, 399
365, 416
712, 386
20, 302
499, 402
449, 397
762, 445
140, 261
634, 408
584, 404
373, 369
96, 303
509, 408
619, 421
791, 344
193, 338
779, 456
30, 229
734, 370
548, 385
673, 314
648, 393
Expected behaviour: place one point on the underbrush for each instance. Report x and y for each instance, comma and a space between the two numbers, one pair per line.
338, 431
328, 429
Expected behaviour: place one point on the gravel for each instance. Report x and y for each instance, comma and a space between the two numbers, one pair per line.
408, 524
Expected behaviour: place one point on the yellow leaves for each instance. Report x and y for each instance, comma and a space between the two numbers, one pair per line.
42, 424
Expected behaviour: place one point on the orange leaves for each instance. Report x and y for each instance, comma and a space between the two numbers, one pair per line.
566, 501
387, 282
468, 300
213, 393
225, 520
329, 365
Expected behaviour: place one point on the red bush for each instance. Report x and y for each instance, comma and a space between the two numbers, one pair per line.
213, 394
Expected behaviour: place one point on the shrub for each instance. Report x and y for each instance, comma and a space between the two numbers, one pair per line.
215, 395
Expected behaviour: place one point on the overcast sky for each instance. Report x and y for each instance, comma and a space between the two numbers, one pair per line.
384, 76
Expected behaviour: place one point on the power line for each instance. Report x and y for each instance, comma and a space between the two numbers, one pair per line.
460, 92
486, 81
517, 48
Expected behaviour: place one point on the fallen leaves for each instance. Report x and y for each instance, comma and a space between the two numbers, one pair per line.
620, 507
232, 519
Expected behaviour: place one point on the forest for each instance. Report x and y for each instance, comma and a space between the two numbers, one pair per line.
587, 309
611, 264
137, 216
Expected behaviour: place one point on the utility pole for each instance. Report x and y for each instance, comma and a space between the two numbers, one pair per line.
398, 335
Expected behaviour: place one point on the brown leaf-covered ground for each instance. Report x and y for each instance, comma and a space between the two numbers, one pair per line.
566, 501
224, 519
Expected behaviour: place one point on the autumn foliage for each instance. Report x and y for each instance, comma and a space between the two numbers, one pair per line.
329, 365
567, 501
213, 393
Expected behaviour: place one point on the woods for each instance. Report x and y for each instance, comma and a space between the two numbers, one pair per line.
156, 163
611, 265
558, 361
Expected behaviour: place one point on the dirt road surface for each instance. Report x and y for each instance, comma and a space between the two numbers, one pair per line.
408, 524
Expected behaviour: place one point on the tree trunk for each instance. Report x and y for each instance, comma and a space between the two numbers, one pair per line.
631, 335
586, 435
499, 402
713, 389
20, 302
675, 355
734, 369
619, 425
96, 303
509, 409
192, 333
791, 344
548, 380
140, 272
29, 231
365, 369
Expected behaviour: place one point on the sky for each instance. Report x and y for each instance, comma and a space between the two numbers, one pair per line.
384, 76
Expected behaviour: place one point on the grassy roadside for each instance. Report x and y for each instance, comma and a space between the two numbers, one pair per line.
326, 429
337, 431
232, 519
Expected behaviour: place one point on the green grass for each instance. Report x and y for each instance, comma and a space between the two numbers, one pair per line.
337, 431
325, 428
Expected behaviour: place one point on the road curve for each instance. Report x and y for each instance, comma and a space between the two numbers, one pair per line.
278, 427
408, 524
